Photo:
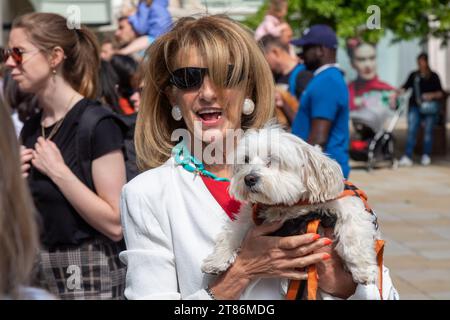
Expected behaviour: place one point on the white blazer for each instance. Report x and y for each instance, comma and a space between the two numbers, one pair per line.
170, 221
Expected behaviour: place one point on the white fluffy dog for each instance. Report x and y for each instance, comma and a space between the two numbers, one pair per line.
278, 170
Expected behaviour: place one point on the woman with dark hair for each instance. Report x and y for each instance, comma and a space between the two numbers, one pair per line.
125, 67
426, 91
81, 228
109, 83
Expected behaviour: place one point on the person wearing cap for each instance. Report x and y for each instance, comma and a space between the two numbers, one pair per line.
323, 115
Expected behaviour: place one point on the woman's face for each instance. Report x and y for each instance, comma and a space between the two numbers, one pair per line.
423, 64
364, 61
135, 98
207, 115
34, 70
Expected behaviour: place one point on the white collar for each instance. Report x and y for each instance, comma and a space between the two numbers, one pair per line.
325, 67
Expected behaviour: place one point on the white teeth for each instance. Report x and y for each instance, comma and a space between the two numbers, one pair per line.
209, 111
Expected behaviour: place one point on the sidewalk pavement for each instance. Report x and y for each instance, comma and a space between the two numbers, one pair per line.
413, 208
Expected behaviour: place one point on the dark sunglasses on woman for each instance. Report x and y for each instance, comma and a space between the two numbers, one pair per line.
192, 77
15, 53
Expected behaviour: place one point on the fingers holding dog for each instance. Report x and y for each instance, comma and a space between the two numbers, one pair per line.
291, 274
271, 257
304, 261
293, 242
317, 245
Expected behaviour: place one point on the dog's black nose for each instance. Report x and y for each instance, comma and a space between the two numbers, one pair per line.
251, 180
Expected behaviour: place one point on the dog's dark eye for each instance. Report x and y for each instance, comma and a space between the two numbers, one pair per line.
246, 160
268, 162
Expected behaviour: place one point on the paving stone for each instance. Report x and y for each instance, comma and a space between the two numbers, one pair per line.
441, 254
413, 208
441, 295
441, 231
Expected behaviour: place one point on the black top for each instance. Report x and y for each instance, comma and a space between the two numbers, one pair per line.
429, 84
301, 82
61, 224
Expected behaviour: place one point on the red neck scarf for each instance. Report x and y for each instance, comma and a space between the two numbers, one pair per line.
219, 190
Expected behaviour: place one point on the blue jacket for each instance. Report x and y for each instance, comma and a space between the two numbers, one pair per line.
153, 20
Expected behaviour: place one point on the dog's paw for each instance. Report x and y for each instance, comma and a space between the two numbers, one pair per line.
212, 268
366, 275
213, 265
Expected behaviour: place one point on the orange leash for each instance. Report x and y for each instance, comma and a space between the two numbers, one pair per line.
313, 284
379, 248
312, 271
294, 286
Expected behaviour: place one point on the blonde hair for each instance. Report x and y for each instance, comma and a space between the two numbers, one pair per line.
18, 229
81, 66
220, 41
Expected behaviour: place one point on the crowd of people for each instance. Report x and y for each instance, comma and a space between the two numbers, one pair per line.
89, 118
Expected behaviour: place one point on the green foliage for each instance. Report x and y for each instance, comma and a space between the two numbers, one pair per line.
253, 21
406, 19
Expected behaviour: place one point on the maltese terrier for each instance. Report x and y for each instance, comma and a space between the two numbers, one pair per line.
291, 180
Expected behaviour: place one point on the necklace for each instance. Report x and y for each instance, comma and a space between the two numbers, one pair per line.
54, 130
192, 164
57, 123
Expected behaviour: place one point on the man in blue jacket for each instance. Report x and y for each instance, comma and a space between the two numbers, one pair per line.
323, 116
151, 20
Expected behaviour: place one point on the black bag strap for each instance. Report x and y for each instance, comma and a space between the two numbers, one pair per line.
93, 114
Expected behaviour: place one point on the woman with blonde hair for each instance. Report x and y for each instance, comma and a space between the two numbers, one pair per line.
19, 241
205, 78
77, 198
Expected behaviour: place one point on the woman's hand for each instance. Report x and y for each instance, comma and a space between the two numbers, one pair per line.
263, 256
393, 100
333, 279
279, 102
428, 96
26, 155
48, 159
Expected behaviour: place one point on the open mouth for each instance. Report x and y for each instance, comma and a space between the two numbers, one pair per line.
209, 115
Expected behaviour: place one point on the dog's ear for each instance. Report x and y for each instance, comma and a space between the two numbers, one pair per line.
323, 176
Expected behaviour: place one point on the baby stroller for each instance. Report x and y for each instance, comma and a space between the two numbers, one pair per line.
374, 141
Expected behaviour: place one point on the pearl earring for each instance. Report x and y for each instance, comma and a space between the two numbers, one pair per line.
248, 107
176, 113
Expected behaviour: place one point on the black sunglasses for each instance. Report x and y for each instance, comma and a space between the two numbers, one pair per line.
15, 53
192, 77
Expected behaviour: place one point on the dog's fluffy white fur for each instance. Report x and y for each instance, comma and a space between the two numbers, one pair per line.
288, 170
